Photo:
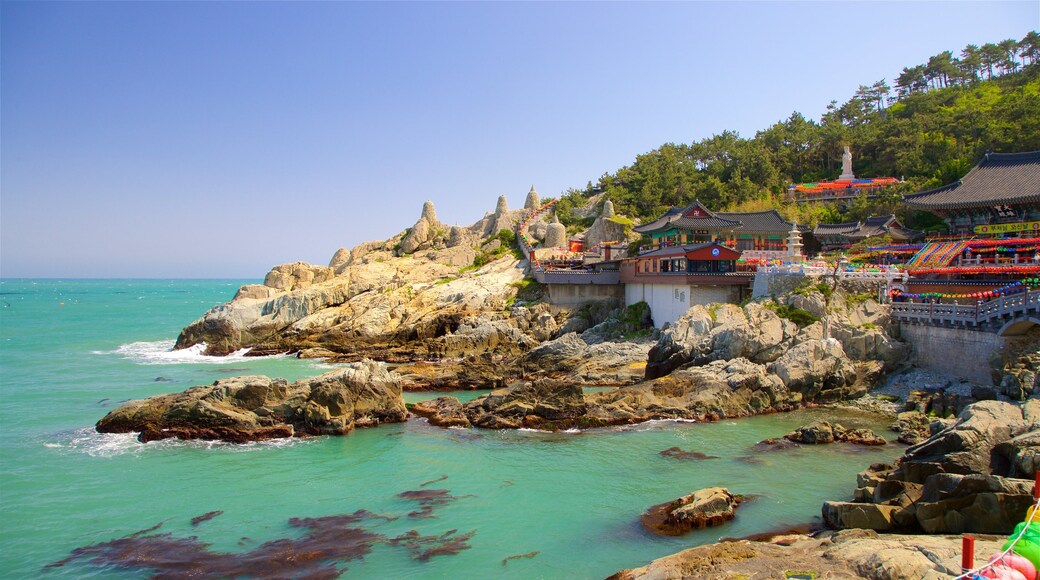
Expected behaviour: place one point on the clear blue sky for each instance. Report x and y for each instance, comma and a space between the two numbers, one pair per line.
198, 139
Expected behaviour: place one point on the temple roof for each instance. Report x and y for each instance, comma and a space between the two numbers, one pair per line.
872, 226
998, 179
759, 221
681, 250
697, 217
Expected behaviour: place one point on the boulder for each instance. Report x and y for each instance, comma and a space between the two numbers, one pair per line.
537, 404
703, 508
816, 367
844, 554
819, 432
255, 407
975, 475
442, 412
297, 276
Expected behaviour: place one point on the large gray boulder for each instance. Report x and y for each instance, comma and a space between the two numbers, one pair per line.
255, 407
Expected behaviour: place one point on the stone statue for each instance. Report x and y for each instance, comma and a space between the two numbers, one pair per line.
846, 165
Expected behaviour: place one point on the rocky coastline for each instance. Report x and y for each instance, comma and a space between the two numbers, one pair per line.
440, 308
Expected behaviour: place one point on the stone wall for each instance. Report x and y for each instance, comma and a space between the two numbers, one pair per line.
575, 294
955, 351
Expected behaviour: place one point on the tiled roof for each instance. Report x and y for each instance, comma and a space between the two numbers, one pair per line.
758, 221
679, 250
998, 178
835, 229
872, 226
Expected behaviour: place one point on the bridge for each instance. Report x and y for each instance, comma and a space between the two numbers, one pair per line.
1007, 315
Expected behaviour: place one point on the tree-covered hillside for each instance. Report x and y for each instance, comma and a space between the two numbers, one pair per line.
930, 129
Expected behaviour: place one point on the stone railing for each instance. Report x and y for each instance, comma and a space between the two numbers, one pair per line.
980, 314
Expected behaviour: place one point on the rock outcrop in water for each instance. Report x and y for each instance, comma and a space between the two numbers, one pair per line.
253, 408
814, 371
701, 509
973, 476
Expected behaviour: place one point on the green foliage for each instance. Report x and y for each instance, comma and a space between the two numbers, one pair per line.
932, 125
528, 290
635, 320
798, 316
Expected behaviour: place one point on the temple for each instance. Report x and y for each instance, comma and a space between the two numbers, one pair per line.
693, 224
836, 237
999, 196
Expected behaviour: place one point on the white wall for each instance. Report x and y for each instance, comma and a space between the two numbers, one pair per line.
670, 301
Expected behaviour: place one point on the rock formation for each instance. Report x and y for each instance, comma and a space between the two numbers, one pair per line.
532, 202
425, 232
819, 432
703, 508
845, 554
606, 228
555, 234
973, 476
758, 333
251, 408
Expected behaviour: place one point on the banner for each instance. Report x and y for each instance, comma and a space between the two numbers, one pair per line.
1008, 228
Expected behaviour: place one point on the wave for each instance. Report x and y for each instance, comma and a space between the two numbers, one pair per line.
160, 352
90, 442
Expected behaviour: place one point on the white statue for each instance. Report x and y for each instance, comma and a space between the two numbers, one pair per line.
846, 165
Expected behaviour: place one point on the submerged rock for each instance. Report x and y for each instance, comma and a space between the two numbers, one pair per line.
255, 407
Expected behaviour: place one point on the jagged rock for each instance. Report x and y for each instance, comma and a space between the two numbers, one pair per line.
816, 368
297, 276
975, 475
912, 427
819, 432
843, 554
569, 356
813, 434
474, 337
256, 407
868, 516
538, 404
442, 412
703, 508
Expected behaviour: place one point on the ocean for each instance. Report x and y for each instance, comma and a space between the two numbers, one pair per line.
511, 504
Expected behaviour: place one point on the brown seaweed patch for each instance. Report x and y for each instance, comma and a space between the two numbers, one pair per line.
518, 556
773, 444
432, 481
428, 499
423, 548
681, 455
205, 517
328, 541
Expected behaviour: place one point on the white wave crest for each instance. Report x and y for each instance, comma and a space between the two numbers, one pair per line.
160, 352
90, 442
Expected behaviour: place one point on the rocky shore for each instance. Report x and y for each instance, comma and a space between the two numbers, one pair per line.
442, 307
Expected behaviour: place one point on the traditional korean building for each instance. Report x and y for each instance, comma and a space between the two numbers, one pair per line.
833, 237
671, 279
693, 224
999, 197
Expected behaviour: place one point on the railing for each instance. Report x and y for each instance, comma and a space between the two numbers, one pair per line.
982, 313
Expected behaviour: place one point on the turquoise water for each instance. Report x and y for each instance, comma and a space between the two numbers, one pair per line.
71, 350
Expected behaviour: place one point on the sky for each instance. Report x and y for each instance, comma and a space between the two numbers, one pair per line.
215, 140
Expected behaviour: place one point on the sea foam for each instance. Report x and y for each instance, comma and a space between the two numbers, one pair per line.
90, 442
160, 352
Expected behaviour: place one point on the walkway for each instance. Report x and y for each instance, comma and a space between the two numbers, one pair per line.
988, 316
